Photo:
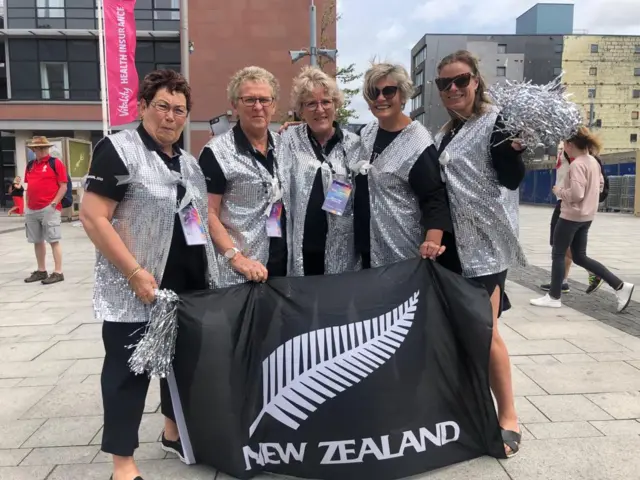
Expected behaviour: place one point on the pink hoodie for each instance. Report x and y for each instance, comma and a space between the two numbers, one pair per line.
580, 192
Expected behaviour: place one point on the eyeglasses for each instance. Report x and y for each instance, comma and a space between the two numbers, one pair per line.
251, 101
387, 92
313, 106
460, 81
164, 107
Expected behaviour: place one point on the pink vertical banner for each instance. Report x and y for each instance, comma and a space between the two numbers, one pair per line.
120, 56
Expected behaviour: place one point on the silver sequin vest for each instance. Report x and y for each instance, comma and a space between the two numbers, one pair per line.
484, 213
247, 196
300, 166
144, 220
396, 231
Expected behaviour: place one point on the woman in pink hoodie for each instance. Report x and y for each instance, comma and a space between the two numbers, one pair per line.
580, 194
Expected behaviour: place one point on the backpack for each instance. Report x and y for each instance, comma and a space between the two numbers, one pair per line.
605, 191
67, 200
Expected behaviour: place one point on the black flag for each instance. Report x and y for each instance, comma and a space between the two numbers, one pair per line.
378, 374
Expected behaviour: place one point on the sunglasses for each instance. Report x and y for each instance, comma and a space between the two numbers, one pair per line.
387, 92
460, 81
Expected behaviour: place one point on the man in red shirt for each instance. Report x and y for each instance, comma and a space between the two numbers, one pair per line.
46, 186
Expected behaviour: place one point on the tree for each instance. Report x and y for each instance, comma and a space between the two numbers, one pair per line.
343, 75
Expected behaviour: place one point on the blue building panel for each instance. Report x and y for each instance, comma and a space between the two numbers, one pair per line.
546, 19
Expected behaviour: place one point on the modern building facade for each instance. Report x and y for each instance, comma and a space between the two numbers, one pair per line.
502, 57
602, 73
546, 19
49, 68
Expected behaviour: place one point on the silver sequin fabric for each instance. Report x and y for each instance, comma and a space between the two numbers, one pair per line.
301, 165
242, 211
396, 231
485, 214
144, 220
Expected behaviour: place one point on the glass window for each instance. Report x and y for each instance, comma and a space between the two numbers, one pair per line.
558, 48
166, 25
167, 52
594, 48
52, 50
144, 51
50, 8
81, 13
80, 4
593, 71
502, 48
636, 71
637, 50
51, 23
143, 5
633, 138
144, 68
144, 25
25, 81
84, 81
82, 50
22, 49
557, 71
598, 123
55, 80
22, 23
20, 3
82, 23
420, 57
168, 66
501, 71
592, 93
416, 102
635, 115
419, 80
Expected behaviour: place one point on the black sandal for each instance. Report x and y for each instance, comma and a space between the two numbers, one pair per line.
512, 440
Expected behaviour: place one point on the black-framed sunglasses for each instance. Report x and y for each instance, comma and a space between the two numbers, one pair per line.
387, 92
460, 81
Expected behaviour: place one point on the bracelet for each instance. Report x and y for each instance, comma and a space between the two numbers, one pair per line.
134, 273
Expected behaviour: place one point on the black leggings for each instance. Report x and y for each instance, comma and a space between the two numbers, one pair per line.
575, 234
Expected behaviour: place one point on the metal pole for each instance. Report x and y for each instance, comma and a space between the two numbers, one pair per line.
313, 50
184, 63
103, 69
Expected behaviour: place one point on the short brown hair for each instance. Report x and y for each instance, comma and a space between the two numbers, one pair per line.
584, 139
173, 81
464, 56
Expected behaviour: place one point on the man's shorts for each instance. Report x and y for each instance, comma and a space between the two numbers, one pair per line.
43, 225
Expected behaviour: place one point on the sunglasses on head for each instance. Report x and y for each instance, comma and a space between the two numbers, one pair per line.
387, 92
460, 81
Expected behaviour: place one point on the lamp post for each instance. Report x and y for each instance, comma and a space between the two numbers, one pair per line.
313, 50
185, 52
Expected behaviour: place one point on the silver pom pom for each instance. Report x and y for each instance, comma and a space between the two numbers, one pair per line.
536, 114
444, 158
154, 352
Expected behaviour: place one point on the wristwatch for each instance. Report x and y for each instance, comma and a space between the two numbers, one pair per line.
229, 254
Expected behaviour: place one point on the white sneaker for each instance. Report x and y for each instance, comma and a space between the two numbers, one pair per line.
624, 296
547, 302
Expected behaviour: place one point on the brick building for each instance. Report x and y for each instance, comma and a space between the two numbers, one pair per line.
49, 70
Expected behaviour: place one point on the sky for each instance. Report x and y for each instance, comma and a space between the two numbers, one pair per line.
387, 30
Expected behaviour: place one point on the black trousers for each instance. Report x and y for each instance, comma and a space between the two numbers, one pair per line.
575, 235
313, 263
123, 392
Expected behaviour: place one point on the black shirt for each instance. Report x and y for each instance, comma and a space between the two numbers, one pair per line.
217, 185
316, 225
17, 192
424, 180
186, 268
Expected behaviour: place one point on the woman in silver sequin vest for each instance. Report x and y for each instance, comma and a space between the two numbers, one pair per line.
482, 168
137, 181
315, 156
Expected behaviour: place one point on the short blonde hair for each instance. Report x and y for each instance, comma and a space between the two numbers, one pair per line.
395, 72
307, 81
251, 74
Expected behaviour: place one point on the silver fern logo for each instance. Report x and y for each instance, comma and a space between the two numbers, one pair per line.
314, 367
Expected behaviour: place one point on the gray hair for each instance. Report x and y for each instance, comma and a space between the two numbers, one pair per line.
307, 81
395, 72
251, 74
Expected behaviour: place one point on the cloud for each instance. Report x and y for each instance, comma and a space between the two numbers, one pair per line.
394, 32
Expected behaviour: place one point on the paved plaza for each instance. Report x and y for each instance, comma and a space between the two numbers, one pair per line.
576, 370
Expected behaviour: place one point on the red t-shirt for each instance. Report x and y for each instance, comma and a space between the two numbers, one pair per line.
43, 183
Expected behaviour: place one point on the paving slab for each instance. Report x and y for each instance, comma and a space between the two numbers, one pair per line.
576, 370
568, 408
63, 432
584, 378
